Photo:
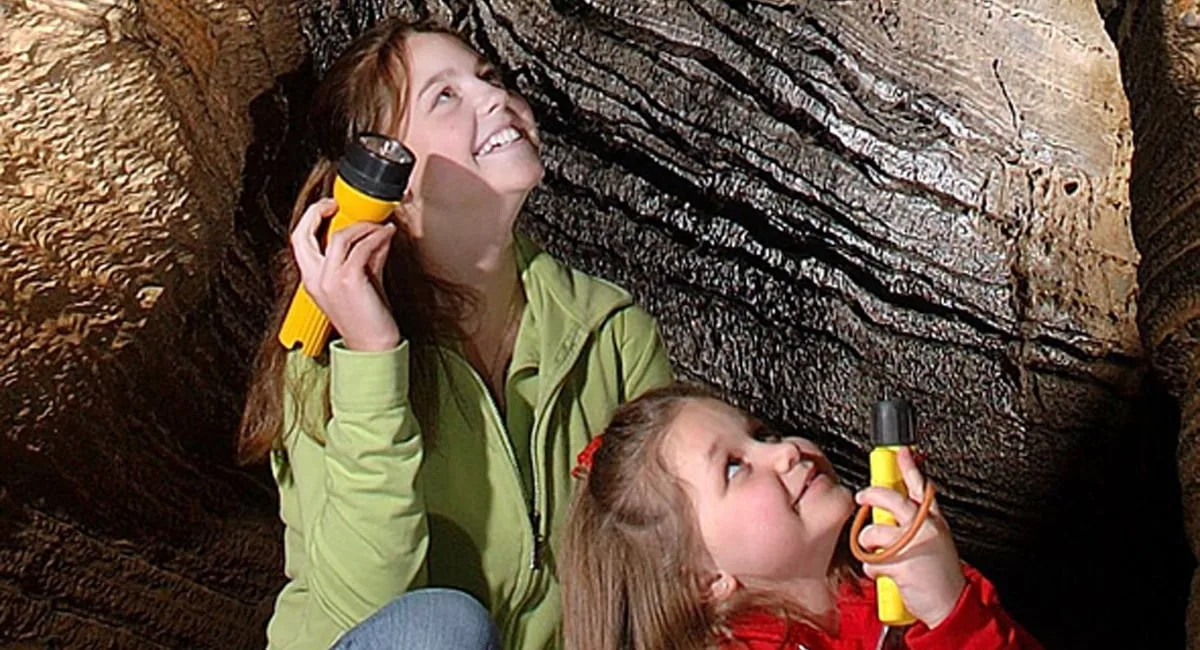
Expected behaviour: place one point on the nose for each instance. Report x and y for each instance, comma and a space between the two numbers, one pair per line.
786, 455
491, 99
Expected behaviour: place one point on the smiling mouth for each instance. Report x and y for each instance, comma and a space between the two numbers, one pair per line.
814, 473
499, 140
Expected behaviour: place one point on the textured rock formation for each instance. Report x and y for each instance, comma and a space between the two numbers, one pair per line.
124, 292
826, 202
822, 202
1160, 46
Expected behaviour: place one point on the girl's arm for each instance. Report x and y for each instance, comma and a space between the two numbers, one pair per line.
956, 606
360, 510
977, 622
643, 357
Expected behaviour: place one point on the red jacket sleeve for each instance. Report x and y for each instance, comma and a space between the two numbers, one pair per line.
977, 622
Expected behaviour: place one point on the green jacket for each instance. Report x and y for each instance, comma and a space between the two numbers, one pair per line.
371, 513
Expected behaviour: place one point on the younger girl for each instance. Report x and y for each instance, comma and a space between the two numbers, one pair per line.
698, 527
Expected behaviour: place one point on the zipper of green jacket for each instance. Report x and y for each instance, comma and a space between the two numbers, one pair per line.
531, 500
533, 516
564, 360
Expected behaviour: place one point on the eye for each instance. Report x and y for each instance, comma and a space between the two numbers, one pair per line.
492, 76
768, 436
444, 95
731, 468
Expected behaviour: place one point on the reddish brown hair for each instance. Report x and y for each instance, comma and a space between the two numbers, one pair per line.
365, 90
634, 569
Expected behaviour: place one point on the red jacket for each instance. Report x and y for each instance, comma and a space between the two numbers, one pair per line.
977, 622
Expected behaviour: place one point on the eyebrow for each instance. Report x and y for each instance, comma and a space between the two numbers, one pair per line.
711, 454
481, 65
710, 460
433, 81
756, 427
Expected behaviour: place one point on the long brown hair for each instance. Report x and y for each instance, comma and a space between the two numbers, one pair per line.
365, 90
634, 565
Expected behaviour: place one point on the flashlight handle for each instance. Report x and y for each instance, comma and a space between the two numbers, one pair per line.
885, 472
305, 323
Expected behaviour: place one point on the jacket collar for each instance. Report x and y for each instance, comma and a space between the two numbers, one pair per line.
575, 298
566, 307
760, 629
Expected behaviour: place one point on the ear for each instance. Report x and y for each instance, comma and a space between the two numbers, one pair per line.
721, 586
406, 218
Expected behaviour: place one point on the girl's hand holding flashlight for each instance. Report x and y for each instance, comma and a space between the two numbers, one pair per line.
345, 280
927, 572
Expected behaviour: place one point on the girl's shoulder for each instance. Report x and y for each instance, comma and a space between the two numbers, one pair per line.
553, 286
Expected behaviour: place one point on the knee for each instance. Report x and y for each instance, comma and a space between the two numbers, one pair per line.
439, 603
425, 619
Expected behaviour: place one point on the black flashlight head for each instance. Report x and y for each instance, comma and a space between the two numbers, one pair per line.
892, 423
377, 166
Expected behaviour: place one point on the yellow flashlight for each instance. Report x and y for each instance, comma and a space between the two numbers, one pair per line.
892, 429
371, 181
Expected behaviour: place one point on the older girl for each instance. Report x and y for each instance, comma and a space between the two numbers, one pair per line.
431, 444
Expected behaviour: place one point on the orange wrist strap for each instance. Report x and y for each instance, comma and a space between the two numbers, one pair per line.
891, 551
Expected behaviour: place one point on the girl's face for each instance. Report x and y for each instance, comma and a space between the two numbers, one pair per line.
770, 509
472, 138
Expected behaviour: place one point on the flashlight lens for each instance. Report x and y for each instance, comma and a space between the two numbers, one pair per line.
377, 166
385, 148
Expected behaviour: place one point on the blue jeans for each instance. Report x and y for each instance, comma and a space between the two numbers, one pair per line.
425, 619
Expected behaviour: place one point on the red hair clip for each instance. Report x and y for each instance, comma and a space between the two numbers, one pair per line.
583, 462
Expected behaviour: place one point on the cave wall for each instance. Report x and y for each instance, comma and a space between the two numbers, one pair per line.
130, 302
1160, 50
827, 202
821, 202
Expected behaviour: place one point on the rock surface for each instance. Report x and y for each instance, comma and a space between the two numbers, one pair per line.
129, 308
822, 202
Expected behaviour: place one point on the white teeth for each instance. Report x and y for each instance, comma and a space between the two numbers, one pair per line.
499, 139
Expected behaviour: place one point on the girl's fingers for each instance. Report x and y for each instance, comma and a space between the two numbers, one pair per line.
347, 254
379, 256
341, 243
305, 246
913, 479
879, 537
367, 249
310, 221
935, 510
881, 569
901, 507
